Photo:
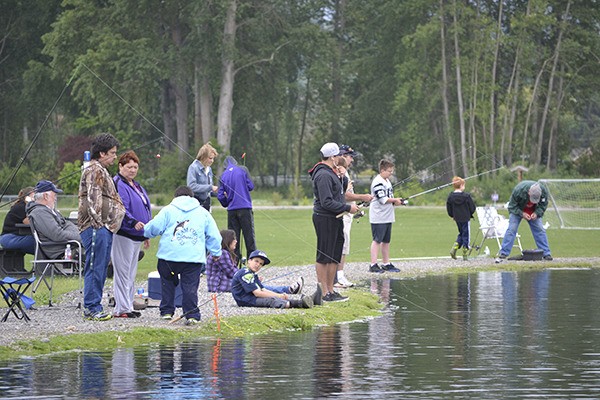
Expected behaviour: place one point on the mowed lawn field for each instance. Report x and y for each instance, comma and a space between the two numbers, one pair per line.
287, 236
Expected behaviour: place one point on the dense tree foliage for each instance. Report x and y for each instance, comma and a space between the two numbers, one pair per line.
480, 83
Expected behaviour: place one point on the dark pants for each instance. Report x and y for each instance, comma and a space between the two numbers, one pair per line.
179, 273
242, 220
463, 234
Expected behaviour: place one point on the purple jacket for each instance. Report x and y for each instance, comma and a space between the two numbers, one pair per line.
235, 187
137, 208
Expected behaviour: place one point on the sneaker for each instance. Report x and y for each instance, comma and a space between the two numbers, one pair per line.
345, 282
339, 297
307, 301
317, 296
192, 321
390, 268
297, 286
166, 316
328, 297
136, 314
97, 316
125, 315
375, 269
465, 253
547, 258
500, 258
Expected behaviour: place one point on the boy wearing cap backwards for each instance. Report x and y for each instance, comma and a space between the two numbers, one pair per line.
528, 200
248, 291
329, 202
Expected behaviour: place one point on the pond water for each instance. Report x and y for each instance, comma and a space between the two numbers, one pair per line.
482, 335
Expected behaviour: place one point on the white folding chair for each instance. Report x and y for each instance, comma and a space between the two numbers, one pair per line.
493, 226
43, 265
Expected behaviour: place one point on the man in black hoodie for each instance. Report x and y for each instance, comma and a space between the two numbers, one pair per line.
328, 205
460, 207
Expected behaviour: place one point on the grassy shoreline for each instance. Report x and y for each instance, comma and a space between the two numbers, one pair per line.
363, 305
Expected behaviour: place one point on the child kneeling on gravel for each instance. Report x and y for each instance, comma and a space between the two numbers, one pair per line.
248, 291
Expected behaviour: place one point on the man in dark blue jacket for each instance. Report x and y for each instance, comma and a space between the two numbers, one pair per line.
234, 194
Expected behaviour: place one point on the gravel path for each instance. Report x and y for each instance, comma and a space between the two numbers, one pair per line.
64, 318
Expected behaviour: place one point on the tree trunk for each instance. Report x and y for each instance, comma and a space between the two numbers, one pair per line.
180, 91
446, 127
227, 79
461, 107
493, 87
552, 157
166, 101
336, 78
530, 110
203, 126
540, 144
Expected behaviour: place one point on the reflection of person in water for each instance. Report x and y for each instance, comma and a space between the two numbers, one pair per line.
93, 377
327, 366
123, 374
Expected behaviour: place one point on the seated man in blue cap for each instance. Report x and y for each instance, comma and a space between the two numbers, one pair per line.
49, 223
248, 290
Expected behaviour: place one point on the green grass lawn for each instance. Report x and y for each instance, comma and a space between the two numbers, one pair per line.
288, 237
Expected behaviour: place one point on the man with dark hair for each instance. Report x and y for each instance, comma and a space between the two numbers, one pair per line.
234, 194
100, 214
188, 232
329, 203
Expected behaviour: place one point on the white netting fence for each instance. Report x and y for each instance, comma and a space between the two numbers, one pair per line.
573, 203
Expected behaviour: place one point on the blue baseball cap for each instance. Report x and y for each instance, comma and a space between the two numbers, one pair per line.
261, 254
46, 186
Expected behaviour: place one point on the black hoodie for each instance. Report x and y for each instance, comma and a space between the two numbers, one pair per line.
328, 191
460, 206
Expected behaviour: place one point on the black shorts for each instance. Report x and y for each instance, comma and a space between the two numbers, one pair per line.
382, 233
330, 238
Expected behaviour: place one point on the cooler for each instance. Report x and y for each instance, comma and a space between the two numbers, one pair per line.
154, 290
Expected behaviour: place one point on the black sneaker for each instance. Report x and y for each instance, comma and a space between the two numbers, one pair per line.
328, 297
500, 258
547, 258
297, 286
338, 297
376, 269
390, 268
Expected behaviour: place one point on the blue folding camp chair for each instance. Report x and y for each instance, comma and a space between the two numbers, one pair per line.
13, 292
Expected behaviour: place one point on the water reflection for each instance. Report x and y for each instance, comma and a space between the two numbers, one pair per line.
483, 335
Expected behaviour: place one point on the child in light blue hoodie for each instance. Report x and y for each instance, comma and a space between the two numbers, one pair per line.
187, 232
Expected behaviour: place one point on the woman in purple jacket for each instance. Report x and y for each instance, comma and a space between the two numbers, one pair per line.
128, 240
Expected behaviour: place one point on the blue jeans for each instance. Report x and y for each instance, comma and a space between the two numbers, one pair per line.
537, 230
278, 289
97, 243
10, 241
179, 273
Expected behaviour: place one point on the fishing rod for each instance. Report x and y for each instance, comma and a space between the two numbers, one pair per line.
448, 184
37, 135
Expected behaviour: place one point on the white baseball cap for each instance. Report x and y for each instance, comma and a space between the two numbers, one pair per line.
330, 150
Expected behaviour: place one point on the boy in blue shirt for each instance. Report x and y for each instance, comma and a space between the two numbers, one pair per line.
248, 291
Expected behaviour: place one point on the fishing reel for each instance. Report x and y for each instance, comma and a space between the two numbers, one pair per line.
403, 202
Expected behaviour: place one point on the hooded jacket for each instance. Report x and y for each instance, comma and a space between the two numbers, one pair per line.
235, 187
328, 191
51, 226
460, 206
187, 232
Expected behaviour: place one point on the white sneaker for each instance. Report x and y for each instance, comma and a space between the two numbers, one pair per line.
345, 283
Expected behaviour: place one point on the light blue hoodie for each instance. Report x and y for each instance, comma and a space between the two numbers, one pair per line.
188, 231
